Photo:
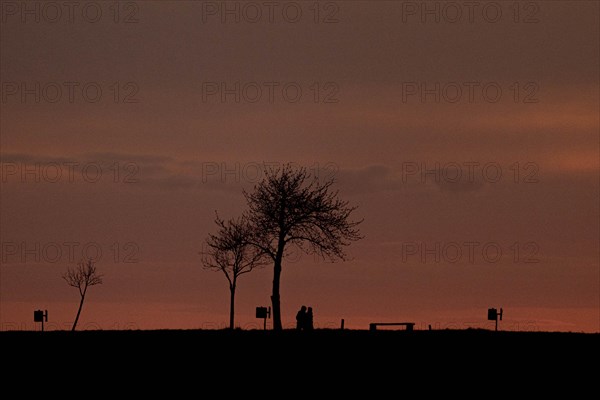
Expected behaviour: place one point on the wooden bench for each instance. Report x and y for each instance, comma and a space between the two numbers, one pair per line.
409, 325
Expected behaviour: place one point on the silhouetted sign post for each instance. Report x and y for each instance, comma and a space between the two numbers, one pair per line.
493, 315
40, 316
263, 312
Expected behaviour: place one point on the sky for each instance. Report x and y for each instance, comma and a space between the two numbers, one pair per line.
467, 135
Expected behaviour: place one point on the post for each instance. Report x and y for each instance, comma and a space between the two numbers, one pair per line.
342, 327
40, 316
267, 315
493, 315
262, 312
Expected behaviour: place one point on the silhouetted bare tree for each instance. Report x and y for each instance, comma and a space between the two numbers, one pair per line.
230, 252
289, 206
82, 277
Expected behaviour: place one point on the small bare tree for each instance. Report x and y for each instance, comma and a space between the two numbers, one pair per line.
291, 207
230, 252
82, 277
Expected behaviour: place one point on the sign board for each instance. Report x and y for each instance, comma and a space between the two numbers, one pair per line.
38, 316
492, 314
261, 312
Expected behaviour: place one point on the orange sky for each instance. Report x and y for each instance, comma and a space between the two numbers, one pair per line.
182, 152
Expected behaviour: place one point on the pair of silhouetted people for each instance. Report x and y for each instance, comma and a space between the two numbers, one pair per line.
304, 319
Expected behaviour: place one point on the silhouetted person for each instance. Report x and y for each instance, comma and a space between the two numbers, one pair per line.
309, 319
301, 319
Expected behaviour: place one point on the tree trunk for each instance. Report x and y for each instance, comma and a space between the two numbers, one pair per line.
275, 297
78, 312
231, 306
